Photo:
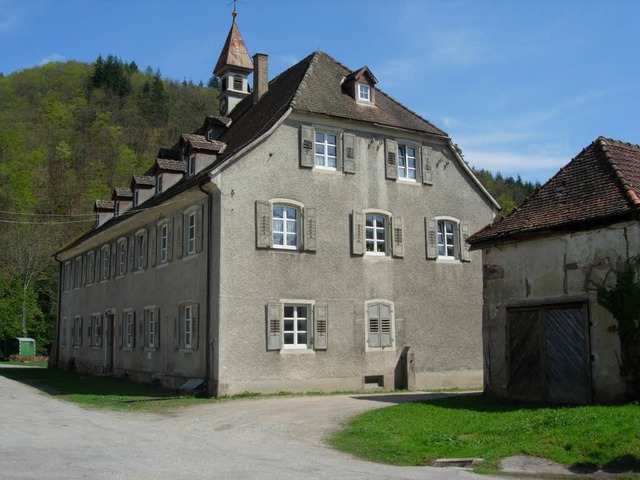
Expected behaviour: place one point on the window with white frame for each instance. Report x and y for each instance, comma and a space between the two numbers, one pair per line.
150, 327
90, 265
407, 162
191, 165
77, 273
159, 183
286, 224
297, 325
122, 256
140, 250
364, 92
447, 232
77, 331
376, 234
163, 243
380, 324
326, 150
67, 276
128, 328
188, 326
96, 330
191, 233
105, 262
446, 239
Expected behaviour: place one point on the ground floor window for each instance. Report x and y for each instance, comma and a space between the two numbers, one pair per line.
128, 328
297, 325
77, 331
151, 327
380, 325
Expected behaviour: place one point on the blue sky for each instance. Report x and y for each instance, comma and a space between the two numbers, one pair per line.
522, 86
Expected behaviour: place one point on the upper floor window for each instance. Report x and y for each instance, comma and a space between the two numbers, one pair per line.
105, 262
67, 272
90, 266
191, 234
407, 162
140, 250
122, 256
377, 233
159, 183
446, 239
364, 92
326, 150
191, 165
77, 270
163, 243
190, 226
285, 224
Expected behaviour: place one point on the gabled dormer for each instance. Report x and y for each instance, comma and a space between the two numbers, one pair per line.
215, 126
233, 68
122, 200
104, 210
360, 85
198, 152
143, 188
168, 172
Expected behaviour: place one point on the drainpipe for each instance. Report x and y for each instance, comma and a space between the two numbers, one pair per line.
209, 380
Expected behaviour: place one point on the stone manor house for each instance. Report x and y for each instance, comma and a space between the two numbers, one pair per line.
310, 237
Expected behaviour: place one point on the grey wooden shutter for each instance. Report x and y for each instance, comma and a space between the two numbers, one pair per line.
320, 323
97, 273
307, 147
178, 237
310, 229
158, 323
385, 326
81, 327
195, 325
391, 159
120, 330
145, 249
349, 153
264, 224
397, 236
170, 240
132, 253
274, 327
153, 244
133, 328
431, 238
465, 254
427, 170
374, 325
357, 233
100, 329
199, 228
112, 260
419, 165
178, 328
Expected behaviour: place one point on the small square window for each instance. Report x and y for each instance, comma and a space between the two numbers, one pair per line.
364, 92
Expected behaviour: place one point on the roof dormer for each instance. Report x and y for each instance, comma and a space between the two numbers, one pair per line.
360, 85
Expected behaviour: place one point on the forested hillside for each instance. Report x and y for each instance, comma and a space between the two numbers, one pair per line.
69, 133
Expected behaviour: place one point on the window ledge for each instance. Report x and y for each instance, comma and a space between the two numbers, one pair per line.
317, 168
162, 265
189, 256
297, 351
447, 260
408, 181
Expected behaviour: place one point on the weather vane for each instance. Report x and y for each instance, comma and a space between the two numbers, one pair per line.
235, 12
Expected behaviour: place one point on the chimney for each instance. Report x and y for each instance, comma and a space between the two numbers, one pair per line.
260, 76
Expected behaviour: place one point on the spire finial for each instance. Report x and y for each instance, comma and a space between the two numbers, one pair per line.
234, 13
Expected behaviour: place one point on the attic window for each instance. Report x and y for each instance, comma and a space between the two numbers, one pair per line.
364, 92
209, 135
237, 83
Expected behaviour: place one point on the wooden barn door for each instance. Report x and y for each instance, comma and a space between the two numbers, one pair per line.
548, 353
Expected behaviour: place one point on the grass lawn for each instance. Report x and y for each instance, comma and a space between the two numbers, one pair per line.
99, 392
479, 427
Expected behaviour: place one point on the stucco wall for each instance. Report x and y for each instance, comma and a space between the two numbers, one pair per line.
437, 304
549, 270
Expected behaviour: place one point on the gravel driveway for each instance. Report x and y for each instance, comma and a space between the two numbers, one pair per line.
264, 438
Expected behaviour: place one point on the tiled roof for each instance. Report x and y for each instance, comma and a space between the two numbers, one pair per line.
146, 180
599, 186
169, 154
171, 165
313, 85
122, 192
234, 51
199, 142
104, 205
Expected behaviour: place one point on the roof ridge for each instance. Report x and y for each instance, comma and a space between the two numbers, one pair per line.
628, 190
303, 82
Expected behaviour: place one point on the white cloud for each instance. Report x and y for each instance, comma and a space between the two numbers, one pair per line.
53, 57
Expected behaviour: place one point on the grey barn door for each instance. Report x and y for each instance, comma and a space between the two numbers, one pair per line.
548, 353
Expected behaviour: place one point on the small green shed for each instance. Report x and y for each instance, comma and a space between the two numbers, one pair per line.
23, 346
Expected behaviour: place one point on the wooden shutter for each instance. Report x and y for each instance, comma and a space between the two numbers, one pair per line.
152, 246
374, 325
349, 153
170, 240
195, 325
157, 339
133, 328
100, 329
178, 330
386, 337
357, 233
112, 260
307, 147
431, 238
310, 229
199, 228
427, 171
145, 249
419, 164
320, 323
97, 273
391, 159
132, 253
178, 237
274, 327
397, 236
264, 224
465, 254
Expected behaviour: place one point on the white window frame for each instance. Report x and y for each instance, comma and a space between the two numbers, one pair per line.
295, 304
140, 249
150, 327
77, 331
90, 267
122, 257
192, 223
443, 237
128, 328
163, 243
285, 231
96, 330
191, 165
375, 229
404, 170
187, 326
391, 327
105, 262
158, 183
364, 92
323, 144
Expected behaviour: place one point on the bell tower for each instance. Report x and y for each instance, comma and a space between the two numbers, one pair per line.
233, 68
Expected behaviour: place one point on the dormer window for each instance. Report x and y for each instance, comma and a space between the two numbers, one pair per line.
159, 184
136, 197
117, 208
238, 84
191, 165
364, 92
209, 134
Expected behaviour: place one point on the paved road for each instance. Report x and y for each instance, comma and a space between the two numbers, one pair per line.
268, 438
